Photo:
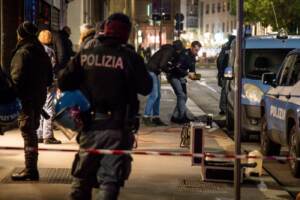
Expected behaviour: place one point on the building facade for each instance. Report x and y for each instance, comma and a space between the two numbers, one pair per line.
85, 11
44, 13
218, 23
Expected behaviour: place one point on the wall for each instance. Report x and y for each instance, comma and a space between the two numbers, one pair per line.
75, 19
12, 16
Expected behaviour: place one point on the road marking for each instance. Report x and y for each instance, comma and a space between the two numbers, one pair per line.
191, 105
262, 186
203, 83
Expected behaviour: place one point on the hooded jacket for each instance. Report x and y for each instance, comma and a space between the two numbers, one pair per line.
31, 70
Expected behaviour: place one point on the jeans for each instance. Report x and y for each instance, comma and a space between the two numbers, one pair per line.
153, 101
179, 87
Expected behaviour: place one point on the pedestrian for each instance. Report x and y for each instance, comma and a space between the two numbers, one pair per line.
159, 62
147, 54
87, 33
110, 76
45, 131
184, 66
31, 74
63, 47
99, 31
222, 63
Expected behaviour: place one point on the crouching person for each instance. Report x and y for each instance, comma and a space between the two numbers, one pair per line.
110, 75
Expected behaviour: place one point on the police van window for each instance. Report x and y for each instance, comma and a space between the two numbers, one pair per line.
294, 72
286, 70
260, 61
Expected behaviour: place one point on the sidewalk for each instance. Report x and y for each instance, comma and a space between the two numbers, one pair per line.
152, 178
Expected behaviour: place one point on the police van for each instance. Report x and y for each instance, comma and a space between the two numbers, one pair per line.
281, 111
263, 54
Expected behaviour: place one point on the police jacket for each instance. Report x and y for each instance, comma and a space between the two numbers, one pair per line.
184, 64
161, 60
111, 76
31, 70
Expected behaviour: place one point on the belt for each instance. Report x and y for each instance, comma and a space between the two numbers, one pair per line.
102, 116
103, 121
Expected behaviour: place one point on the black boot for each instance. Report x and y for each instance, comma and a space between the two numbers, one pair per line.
26, 175
109, 192
157, 121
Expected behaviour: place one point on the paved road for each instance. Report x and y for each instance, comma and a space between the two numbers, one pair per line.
205, 94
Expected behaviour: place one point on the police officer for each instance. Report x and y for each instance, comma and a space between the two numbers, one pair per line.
222, 63
110, 75
184, 66
31, 73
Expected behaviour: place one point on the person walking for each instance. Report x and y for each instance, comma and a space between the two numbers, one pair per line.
160, 61
87, 33
184, 66
222, 63
31, 74
99, 31
45, 131
110, 75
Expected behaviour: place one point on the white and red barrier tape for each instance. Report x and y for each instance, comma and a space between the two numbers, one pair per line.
156, 153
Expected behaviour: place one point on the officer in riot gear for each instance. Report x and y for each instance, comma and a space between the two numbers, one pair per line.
110, 75
31, 74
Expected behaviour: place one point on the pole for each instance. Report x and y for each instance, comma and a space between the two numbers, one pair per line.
237, 124
275, 15
161, 21
1, 33
133, 19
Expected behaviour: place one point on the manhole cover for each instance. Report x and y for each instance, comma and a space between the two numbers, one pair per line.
47, 175
201, 186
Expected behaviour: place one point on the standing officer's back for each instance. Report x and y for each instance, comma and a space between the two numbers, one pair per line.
110, 75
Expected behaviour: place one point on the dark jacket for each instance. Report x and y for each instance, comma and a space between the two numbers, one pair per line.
162, 59
222, 61
63, 49
110, 75
31, 70
185, 63
93, 42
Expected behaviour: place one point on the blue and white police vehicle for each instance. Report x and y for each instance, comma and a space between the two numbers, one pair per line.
281, 111
262, 54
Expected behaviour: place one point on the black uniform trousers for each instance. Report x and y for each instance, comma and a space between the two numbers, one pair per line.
29, 120
92, 170
222, 101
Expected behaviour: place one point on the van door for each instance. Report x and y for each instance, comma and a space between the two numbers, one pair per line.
293, 97
277, 99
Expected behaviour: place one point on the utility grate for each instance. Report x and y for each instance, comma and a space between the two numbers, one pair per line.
47, 175
192, 185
